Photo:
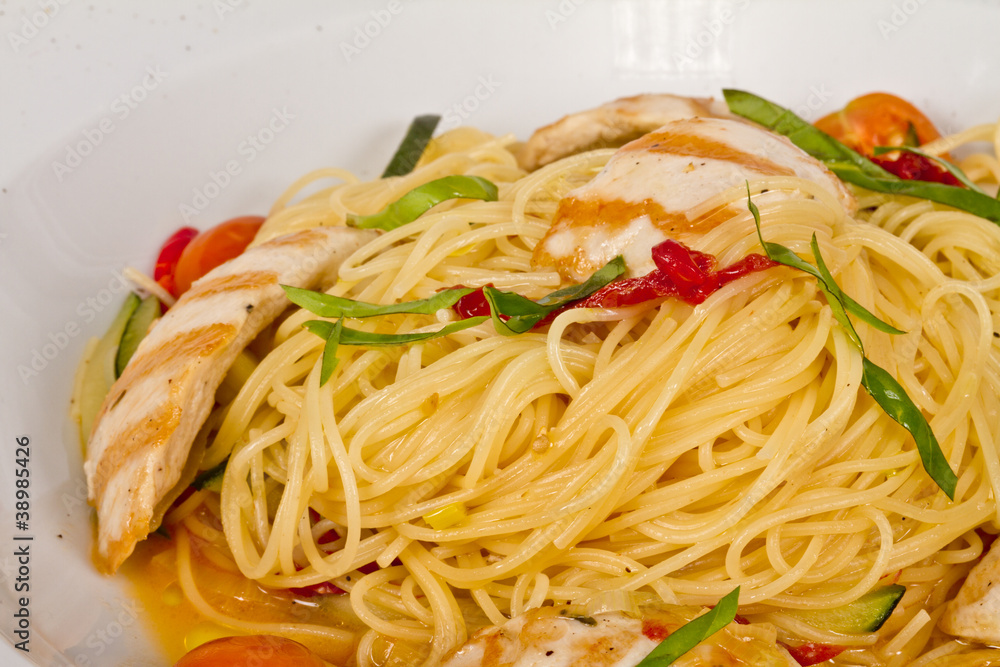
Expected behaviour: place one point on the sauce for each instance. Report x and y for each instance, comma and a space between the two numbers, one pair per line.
179, 626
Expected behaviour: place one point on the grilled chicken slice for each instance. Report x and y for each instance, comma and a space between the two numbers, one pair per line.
544, 638
975, 611
647, 189
611, 125
148, 421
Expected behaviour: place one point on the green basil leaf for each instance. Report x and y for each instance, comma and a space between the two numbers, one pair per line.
523, 314
892, 397
413, 145
850, 305
417, 201
803, 134
355, 337
888, 393
775, 251
834, 295
332, 335
948, 166
689, 635
327, 305
850, 165
840, 314
603, 276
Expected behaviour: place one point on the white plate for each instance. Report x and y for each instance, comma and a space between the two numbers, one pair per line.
118, 121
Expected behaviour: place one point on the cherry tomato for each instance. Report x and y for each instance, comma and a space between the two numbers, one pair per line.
878, 119
262, 650
170, 253
213, 247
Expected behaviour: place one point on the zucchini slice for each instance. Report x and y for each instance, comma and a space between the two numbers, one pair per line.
866, 614
138, 324
100, 373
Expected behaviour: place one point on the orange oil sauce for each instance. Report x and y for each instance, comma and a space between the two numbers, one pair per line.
178, 625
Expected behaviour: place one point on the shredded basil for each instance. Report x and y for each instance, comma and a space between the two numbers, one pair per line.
337, 334
850, 165
413, 145
420, 199
523, 314
331, 334
879, 384
327, 305
692, 633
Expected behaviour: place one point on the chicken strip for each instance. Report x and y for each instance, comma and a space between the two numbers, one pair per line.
975, 612
647, 190
612, 125
545, 638
145, 428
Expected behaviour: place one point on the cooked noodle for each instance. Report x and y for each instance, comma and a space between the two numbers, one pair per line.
670, 450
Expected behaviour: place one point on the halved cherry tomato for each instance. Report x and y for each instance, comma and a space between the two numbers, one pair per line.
263, 650
213, 247
170, 254
878, 119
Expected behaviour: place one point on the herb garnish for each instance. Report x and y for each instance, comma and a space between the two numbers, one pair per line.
879, 384
413, 145
521, 314
511, 313
692, 633
944, 164
417, 201
327, 305
335, 333
850, 165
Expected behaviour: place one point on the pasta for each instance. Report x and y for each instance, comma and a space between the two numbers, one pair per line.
665, 450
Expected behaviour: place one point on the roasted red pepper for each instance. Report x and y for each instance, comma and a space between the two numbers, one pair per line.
681, 272
813, 654
913, 167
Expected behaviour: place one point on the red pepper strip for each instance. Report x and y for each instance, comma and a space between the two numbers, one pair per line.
813, 654
680, 271
170, 254
473, 304
913, 167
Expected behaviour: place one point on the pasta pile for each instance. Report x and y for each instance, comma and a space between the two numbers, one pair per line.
659, 453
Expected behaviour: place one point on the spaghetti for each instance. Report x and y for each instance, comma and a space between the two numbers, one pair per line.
666, 450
